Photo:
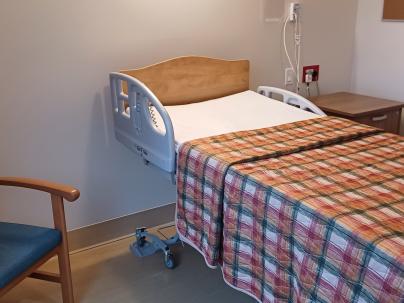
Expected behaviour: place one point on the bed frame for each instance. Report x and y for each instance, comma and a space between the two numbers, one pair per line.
178, 81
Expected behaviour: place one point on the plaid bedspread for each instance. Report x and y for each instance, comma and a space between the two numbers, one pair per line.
307, 211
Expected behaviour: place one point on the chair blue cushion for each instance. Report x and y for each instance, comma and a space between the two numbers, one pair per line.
21, 246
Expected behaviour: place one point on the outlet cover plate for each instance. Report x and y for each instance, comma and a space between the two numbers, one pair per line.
289, 76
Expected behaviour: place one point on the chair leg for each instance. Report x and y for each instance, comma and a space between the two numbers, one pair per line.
63, 254
65, 276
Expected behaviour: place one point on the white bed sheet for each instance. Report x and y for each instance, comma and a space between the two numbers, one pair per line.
242, 111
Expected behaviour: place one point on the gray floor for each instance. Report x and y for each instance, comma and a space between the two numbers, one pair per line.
109, 273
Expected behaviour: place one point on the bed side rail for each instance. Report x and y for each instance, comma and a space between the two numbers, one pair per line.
134, 125
291, 99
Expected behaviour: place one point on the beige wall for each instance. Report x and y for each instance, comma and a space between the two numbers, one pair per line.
55, 119
379, 48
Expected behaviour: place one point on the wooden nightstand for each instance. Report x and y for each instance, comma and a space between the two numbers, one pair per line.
380, 113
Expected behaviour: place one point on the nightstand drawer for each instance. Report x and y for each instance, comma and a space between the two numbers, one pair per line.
388, 121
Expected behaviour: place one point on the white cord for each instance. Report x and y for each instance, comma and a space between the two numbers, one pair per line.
285, 46
297, 48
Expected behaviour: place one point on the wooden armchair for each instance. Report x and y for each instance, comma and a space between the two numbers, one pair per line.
24, 248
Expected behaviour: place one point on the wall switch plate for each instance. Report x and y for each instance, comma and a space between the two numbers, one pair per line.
289, 76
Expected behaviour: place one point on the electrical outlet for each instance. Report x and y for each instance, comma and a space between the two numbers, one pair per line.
313, 71
289, 76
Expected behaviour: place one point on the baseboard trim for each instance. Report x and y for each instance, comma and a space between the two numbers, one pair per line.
116, 228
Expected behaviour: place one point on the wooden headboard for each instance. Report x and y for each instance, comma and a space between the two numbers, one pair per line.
192, 79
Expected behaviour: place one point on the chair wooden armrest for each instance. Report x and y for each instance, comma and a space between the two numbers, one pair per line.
58, 193
66, 192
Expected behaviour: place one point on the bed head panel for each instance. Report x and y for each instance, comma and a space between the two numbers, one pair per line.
192, 79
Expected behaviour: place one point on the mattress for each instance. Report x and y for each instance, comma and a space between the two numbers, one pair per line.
243, 111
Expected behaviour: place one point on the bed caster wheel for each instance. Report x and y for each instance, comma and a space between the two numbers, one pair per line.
141, 241
169, 260
140, 237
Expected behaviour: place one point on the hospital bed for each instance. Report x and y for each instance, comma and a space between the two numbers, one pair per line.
195, 119
157, 108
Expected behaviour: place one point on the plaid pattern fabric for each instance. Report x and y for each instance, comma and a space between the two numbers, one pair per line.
203, 163
293, 217
323, 225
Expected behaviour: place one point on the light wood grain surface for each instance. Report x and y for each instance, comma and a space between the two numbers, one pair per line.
354, 105
191, 79
65, 191
376, 112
